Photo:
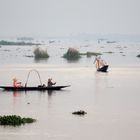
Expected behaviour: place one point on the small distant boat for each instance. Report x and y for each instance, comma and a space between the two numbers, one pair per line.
103, 69
39, 88
101, 65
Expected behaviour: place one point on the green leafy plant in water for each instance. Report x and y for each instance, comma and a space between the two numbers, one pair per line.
14, 120
39, 53
72, 54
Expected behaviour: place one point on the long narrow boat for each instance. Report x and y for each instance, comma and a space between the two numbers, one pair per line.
103, 69
39, 88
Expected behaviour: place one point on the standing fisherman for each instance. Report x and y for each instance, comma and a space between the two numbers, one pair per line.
99, 62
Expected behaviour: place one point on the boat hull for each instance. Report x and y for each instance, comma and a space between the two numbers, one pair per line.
39, 88
103, 69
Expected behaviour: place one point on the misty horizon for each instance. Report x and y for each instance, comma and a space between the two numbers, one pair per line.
45, 18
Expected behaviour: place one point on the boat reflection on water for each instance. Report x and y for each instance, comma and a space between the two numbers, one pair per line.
18, 93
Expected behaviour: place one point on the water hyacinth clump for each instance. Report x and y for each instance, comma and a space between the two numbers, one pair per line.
39, 53
72, 54
14, 120
89, 54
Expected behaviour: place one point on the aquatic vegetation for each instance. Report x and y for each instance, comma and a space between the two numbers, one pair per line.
93, 54
109, 52
51, 41
29, 56
14, 120
138, 55
72, 54
89, 54
39, 53
111, 42
80, 112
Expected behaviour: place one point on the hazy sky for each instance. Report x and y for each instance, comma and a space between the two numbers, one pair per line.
65, 17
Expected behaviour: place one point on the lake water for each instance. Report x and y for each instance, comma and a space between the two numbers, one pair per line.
111, 99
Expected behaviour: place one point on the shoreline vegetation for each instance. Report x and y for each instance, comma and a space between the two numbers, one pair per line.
22, 43
14, 120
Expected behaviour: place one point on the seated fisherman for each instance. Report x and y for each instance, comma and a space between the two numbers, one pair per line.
16, 83
50, 83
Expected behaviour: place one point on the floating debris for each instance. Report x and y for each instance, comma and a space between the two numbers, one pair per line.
80, 112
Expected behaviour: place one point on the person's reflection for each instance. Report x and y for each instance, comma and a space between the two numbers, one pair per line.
50, 98
50, 92
15, 94
15, 99
100, 84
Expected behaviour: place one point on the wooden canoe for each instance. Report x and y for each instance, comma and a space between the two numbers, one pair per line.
39, 88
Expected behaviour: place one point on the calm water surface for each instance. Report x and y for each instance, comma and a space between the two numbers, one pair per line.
111, 101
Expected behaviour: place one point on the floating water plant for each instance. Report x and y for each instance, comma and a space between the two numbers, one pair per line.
89, 54
14, 120
39, 53
109, 52
93, 54
29, 56
72, 54
80, 112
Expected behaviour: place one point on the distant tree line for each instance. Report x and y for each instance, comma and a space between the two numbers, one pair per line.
3, 42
